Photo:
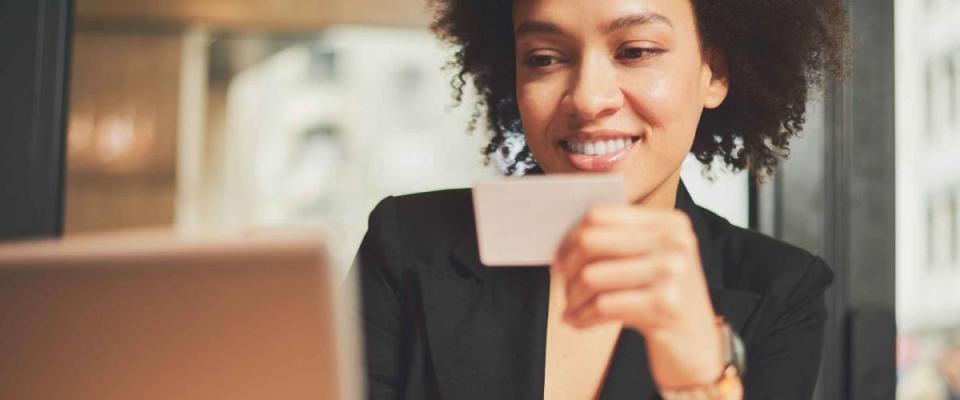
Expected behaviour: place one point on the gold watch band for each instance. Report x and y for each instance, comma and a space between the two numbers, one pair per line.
724, 386
717, 390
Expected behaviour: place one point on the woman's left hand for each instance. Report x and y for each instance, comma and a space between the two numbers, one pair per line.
641, 266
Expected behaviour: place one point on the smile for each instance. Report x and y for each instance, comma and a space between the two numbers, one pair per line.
596, 147
597, 154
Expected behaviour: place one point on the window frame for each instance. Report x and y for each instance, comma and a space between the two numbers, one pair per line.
35, 41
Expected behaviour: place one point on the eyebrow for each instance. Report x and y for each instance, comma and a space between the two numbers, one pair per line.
634, 20
627, 21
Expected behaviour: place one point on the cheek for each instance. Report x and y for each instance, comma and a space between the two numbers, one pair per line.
666, 100
535, 102
670, 104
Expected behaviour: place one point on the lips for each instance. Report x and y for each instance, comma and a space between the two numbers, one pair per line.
599, 152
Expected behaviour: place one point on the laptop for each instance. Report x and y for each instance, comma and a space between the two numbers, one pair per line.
159, 315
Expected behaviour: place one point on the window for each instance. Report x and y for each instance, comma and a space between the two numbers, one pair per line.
928, 220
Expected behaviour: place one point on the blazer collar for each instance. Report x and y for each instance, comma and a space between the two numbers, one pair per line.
710, 252
466, 255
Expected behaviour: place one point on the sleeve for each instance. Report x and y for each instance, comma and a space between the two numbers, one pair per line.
784, 364
375, 271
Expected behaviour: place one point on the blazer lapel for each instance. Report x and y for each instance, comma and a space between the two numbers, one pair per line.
486, 326
734, 305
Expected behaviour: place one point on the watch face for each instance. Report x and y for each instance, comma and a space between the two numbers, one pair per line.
739, 353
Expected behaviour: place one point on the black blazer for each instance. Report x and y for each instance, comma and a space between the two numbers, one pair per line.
440, 325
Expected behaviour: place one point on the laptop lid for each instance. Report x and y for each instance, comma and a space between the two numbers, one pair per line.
165, 316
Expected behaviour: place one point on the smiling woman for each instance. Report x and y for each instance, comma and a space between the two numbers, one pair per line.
590, 73
650, 297
773, 52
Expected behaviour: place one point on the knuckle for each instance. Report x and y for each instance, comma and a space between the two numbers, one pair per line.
594, 215
562, 252
682, 233
590, 279
603, 305
681, 219
582, 322
673, 241
670, 266
585, 237
572, 242
692, 241
678, 261
668, 301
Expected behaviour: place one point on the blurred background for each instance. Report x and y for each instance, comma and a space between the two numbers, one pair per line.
196, 114
224, 113
928, 198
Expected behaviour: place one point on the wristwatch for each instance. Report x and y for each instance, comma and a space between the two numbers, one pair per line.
735, 367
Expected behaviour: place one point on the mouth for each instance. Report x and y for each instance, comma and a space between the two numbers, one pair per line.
598, 153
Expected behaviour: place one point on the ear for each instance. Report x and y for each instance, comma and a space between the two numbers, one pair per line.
715, 78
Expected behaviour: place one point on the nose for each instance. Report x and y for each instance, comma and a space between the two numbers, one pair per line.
595, 91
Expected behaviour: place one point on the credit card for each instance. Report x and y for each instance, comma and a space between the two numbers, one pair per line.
521, 220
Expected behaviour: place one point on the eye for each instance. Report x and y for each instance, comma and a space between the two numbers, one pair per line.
638, 52
541, 60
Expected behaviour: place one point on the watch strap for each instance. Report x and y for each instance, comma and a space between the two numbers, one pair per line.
735, 366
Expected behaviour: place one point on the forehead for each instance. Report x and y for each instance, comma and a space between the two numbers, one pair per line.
601, 16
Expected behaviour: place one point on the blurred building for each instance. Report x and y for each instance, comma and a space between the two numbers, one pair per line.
928, 197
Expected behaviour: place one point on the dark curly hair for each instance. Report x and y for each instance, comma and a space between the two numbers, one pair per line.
775, 50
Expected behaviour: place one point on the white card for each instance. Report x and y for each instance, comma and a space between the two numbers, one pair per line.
521, 220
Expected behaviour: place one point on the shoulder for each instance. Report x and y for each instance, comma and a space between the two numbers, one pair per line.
439, 206
425, 211
765, 265
399, 230
420, 224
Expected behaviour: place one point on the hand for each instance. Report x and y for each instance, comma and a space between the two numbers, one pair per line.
642, 267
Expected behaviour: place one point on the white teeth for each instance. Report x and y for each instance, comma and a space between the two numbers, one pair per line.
589, 149
614, 144
598, 147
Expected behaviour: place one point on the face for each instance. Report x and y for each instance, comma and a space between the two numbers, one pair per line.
615, 86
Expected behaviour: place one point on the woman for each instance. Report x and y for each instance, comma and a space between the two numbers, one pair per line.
639, 300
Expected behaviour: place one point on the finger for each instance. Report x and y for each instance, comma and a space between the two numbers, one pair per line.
625, 305
610, 214
621, 214
618, 274
643, 309
638, 229
587, 244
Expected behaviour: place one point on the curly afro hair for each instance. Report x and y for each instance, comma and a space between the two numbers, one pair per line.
776, 52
